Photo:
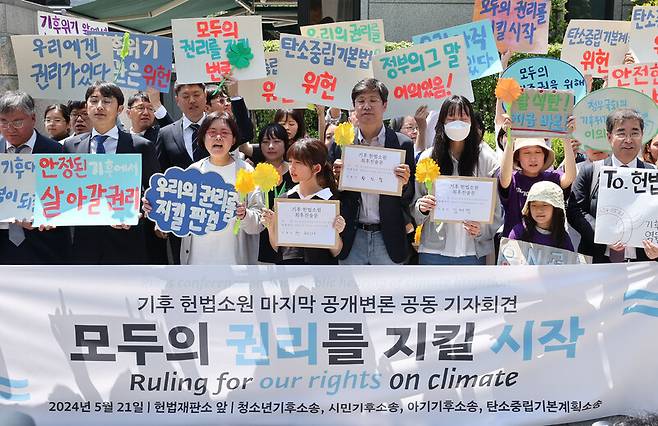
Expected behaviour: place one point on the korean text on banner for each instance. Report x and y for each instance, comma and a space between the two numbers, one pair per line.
52, 24
518, 25
643, 36
259, 93
17, 184
367, 32
640, 77
87, 189
204, 52
481, 51
61, 67
547, 73
426, 74
541, 113
595, 46
321, 71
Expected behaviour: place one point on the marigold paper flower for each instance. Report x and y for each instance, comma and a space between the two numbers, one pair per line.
344, 134
244, 183
266, 177
239, 54
508, 90
419, 230
427, 171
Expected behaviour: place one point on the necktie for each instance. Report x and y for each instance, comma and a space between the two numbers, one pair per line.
100, 140
196, 149
16, 232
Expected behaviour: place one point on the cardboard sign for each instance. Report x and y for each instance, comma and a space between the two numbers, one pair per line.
200, 48
595, 46
52, 24
320, 71
643, 35
423, 75
627, 209
61, 67
481, 51
640, 77
366, 32
17, 185
541, 113
371, 169
460, 198
259, 93
547, 73
518, 25
306, 223
517, 252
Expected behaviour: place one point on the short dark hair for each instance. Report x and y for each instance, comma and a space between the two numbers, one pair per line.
212, 93
66, 113
370, 85
620, 115
275, 130
297, 115
107, 89
179, 86
76, 105
207, 122
139, 96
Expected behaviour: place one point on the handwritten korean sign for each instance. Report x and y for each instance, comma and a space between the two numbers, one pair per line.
306, 223
424, 75
371, 169
259, 93
518, 25
87, 189
640, 77
643, 36
594, 46
17, 183
200, 48
321, 71
461, 198
547, 73
517, 252
541, 113
187, 202
61, 67
368, 32
52, 24
481, 51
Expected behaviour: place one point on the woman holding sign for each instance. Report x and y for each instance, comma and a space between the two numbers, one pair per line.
458, 152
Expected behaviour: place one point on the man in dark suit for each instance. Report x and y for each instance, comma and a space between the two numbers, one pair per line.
228, 101
19, 242
625, 129
120, 244
375, 231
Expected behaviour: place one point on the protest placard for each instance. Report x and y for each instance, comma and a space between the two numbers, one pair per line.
517, 252
460, 198
148, 63
627, 209
370, 169
518, 25
640, 77
591, 113
17, 186
259, 93
306, 223
547, 73
321, 71
52, 24
481, 51
594, 46
643, 35
368, 32
423, 75
87, 189
187, 202
206, 49
541, 113
61, 67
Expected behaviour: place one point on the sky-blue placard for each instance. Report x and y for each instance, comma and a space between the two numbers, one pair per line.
186, 202
17, 180
483, 59
547, 73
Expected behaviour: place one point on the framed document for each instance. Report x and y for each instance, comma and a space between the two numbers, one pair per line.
460, 198
306, 223
371, 169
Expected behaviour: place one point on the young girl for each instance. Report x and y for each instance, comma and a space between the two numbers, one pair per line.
315, 181
56, 119
458, 152
543, 218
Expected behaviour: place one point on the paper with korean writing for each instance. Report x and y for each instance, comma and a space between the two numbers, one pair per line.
460, 198
17, 185
547, 73
517, 252
643, 36
371, 169
306, 223
368, 32
541, 113
259, 93
53, 24
640, 77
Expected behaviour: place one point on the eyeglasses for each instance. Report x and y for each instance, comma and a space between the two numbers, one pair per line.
624, 136
16, 124
410, 128
141, 109
220, 100
54, 120
76, 115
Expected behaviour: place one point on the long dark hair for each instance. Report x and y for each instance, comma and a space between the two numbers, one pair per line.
441, 151
207, 122
558, 232
310, 152
275, 130
297, 115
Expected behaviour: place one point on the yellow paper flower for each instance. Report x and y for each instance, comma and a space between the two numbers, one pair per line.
344, 134
419, 230
266, 176
244, 183
508, 90
427, 170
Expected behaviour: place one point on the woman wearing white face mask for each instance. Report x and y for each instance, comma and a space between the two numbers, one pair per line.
458, 152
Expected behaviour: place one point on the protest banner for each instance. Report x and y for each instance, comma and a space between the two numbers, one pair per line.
17, 185
205, 49
148, 63
370, 169
481, 51
519, 26
643, 35
426, 74
547, 73
640, 77
87, 189
306, 223
627, 209
368, 32
187, 202
321, 71
591, 112
61, 67
164, 345
594, 46
517, 252
541, 113
259, 93
52, 24
460, 198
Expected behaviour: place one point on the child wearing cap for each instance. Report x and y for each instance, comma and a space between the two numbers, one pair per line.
543, 219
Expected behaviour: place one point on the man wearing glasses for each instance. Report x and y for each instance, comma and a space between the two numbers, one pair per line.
228, 101
80, 122
20, 243
147, 115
